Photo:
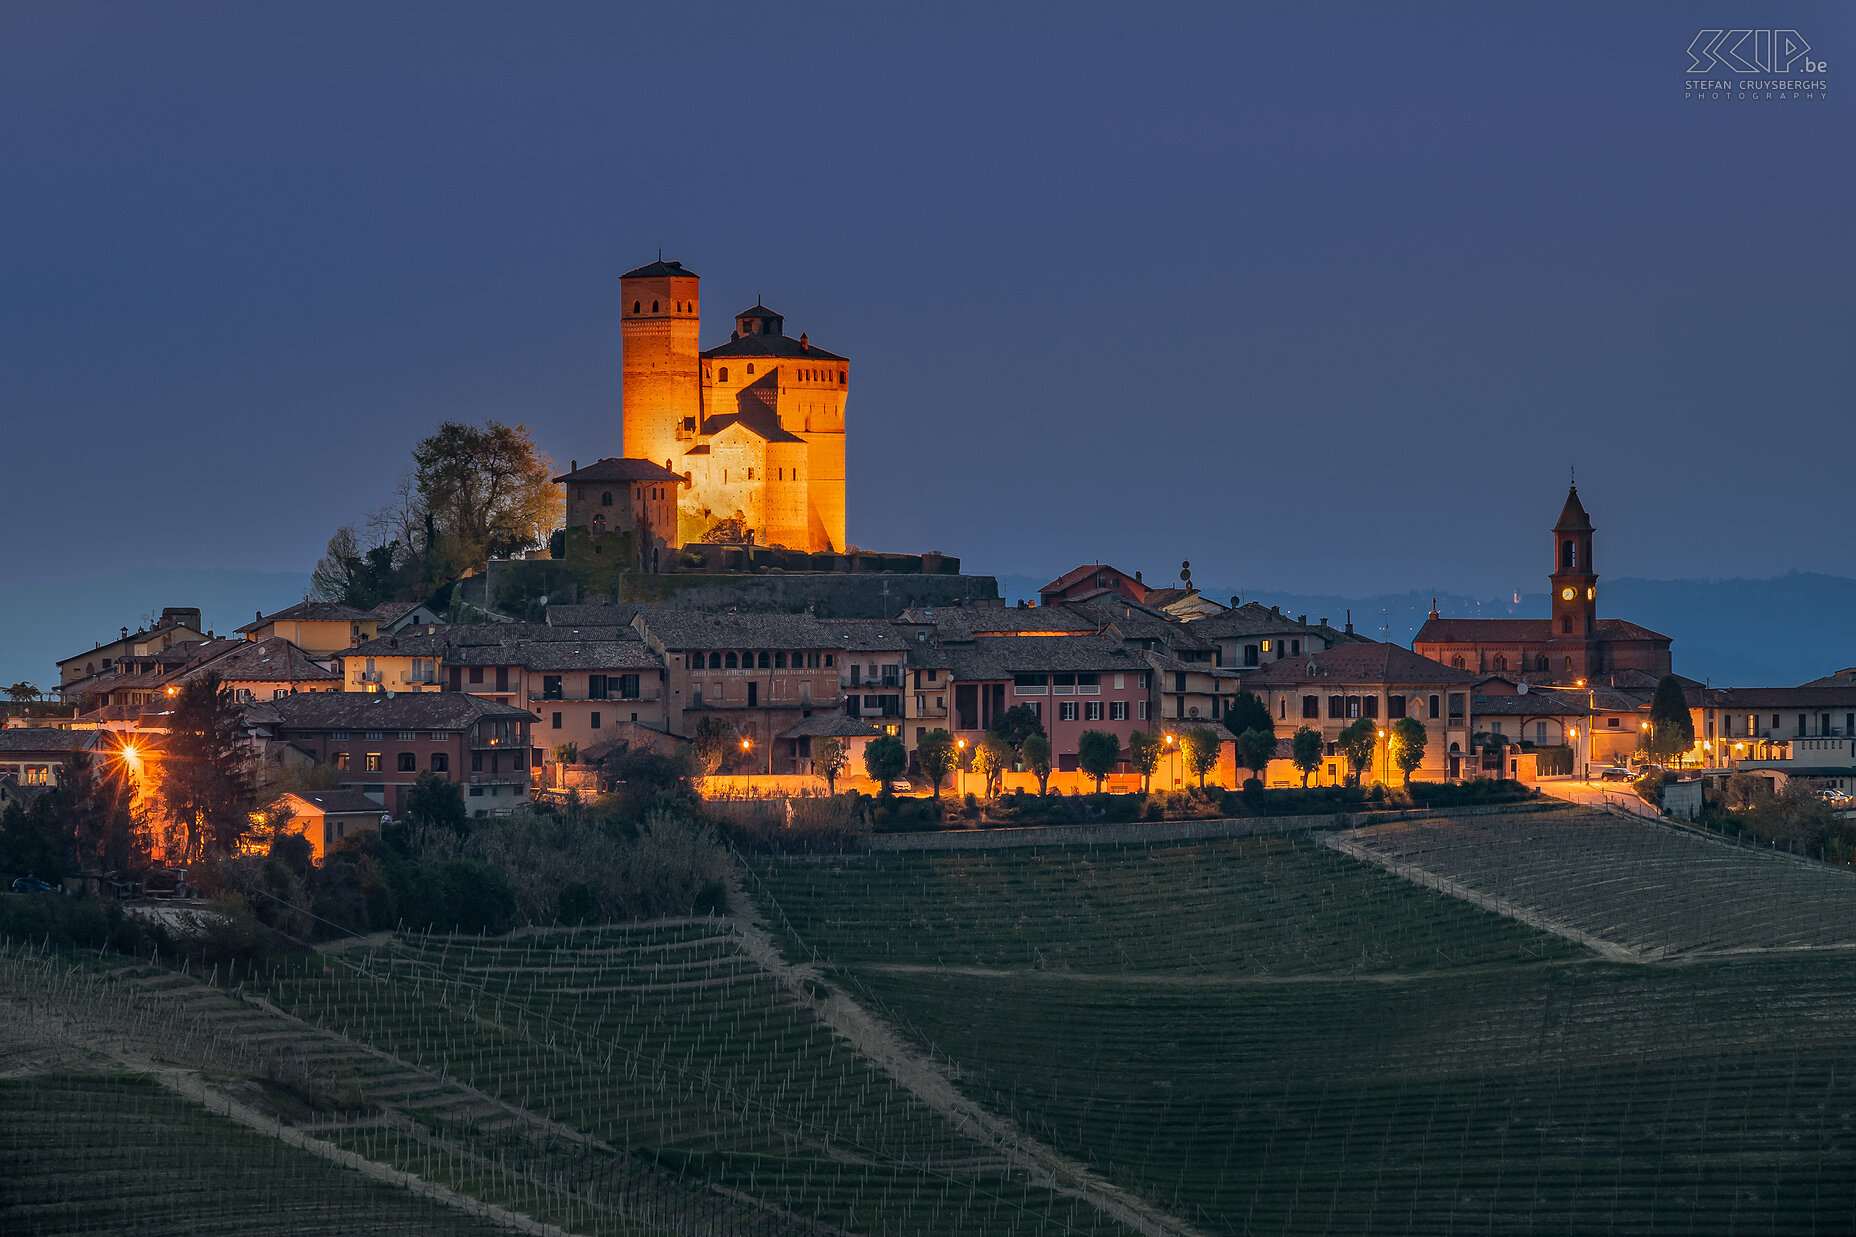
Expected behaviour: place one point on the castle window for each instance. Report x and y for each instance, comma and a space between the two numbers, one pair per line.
779, 660
1501, 663
761, 660
750, 367
715, 661
1456, 663
653, 306
605, 499
750, 474
841, 378
1569, 663
731, 661
724, 373
1566, 623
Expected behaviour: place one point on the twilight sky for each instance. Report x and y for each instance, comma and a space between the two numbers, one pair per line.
1323, 297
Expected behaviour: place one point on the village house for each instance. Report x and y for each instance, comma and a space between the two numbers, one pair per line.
320, 817
1071, 683
177, 624
316, 627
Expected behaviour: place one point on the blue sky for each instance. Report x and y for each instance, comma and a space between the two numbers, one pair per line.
1322, 297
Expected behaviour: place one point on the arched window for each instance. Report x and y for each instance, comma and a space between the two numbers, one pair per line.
1501, 663
761, 660
750, 367
724, 373
599, 524
634, 306
715, 661
779, 660
605, 499
1569, 663
1566, 555
730, 661
653, 306
1457, 662
1540, 663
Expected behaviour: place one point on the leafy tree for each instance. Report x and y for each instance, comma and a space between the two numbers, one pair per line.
829, 756
1248, 712
487, 488
103, 823
35, 839
714, 744
1357, 742
991, 758
1409, 739
1036, 755
438, 802
1305, 750
23, 692
205, 778
934, 752
1017, 724
885, 758
1144, 751
1672, 729
1198, 745
1256, 748
1097, 754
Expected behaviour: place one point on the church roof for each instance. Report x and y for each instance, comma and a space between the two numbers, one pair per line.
1520, 631
613, 468
780, 347
772, 433
1572, 516
658, 269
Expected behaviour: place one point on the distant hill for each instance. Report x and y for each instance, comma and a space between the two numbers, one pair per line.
40, 623
1735, 633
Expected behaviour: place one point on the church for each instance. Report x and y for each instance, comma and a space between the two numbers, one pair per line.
1572, 645
753, 427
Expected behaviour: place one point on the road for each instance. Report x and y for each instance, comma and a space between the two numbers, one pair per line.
1595, 793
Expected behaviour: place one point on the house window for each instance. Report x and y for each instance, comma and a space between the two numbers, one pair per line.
341, 760
1117, 710
1353, 706
556, 723
550, 687
1311, 706
1250, 654
1611, 721
1395, 707
1092, 710
1435, 701
373, 734
476, 674
1456, 663
1540, 662
1266, 646
339, 734
595, 721
722, 374
1066, 710
476, 762
779, 659
441, 762
1540, 732
761, 660
628, 687
1456, 705
1371, 706
605, 499
373, 763
409, 762
731, 661
1140, 709
1337, 706
595, 687
750, 367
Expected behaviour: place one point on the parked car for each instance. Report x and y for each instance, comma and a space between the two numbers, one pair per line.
29, 884
1614, 773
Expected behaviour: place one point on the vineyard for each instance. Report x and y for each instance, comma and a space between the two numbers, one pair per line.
1262, 1040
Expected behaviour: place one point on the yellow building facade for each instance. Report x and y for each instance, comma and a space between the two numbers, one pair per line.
755, 425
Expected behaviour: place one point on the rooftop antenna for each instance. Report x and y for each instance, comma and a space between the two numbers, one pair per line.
1573, 469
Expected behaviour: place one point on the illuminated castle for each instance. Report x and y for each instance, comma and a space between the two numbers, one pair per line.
755, 425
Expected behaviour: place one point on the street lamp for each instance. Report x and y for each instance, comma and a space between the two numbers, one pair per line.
747, 745
960, 772
1173, 765
1384, 747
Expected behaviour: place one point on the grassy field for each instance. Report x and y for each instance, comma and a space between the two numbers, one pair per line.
122, 1154
1308, 1046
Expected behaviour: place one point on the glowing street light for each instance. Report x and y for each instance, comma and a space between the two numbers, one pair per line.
960, 772
747, 745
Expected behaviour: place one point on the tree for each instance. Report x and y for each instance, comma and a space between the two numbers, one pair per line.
1036, 754
1144, 752
829, 756
934, 752
714, 744
205, 776
1097, 754
1198, 746
23, 692
884, 759
101, 813
1256, 748
487, 488
438, 802
1247, 712
1305, 751
1357, 742
1017, 724
1409, 738
1672, 729
992, 756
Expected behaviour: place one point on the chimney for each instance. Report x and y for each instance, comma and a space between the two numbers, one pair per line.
804, 343
260, 616
1350, 620
1303, 620
573, 465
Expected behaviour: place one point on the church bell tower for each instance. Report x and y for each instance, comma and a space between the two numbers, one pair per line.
1574, 641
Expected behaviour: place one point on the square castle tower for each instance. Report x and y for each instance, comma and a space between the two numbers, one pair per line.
755, 426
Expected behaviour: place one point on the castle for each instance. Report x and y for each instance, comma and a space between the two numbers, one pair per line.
754, 427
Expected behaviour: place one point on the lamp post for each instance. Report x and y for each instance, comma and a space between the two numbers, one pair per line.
960, 771
747, 745
1172, 750
1384, 750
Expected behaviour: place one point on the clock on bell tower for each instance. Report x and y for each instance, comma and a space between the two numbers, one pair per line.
1575, 591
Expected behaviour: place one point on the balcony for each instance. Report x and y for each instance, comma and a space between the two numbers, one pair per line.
370, 676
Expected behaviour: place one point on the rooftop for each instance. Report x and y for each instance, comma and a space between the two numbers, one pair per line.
380, 711
1367, 661
614, 468
658, 270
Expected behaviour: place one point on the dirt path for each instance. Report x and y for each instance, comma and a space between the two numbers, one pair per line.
928, 1082
1181, 980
